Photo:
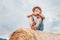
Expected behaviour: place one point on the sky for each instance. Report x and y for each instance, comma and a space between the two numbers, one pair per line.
13, 15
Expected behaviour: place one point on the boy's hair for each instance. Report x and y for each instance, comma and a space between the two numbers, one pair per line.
36, 7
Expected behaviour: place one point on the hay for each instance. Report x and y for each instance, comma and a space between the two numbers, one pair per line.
29, 34
23, 34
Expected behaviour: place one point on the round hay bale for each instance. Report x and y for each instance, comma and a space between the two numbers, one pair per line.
23, 34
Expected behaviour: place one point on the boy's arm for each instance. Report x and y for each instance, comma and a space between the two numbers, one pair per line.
40, 15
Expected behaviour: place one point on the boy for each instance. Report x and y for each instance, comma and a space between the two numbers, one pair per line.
36, 15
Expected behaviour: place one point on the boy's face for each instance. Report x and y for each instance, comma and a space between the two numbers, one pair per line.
37, 11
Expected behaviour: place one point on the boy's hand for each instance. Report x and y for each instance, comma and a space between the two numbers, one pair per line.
39, 15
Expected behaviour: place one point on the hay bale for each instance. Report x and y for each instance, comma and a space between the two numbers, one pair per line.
29, 34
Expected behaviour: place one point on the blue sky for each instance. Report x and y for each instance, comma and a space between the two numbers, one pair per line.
13, 15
